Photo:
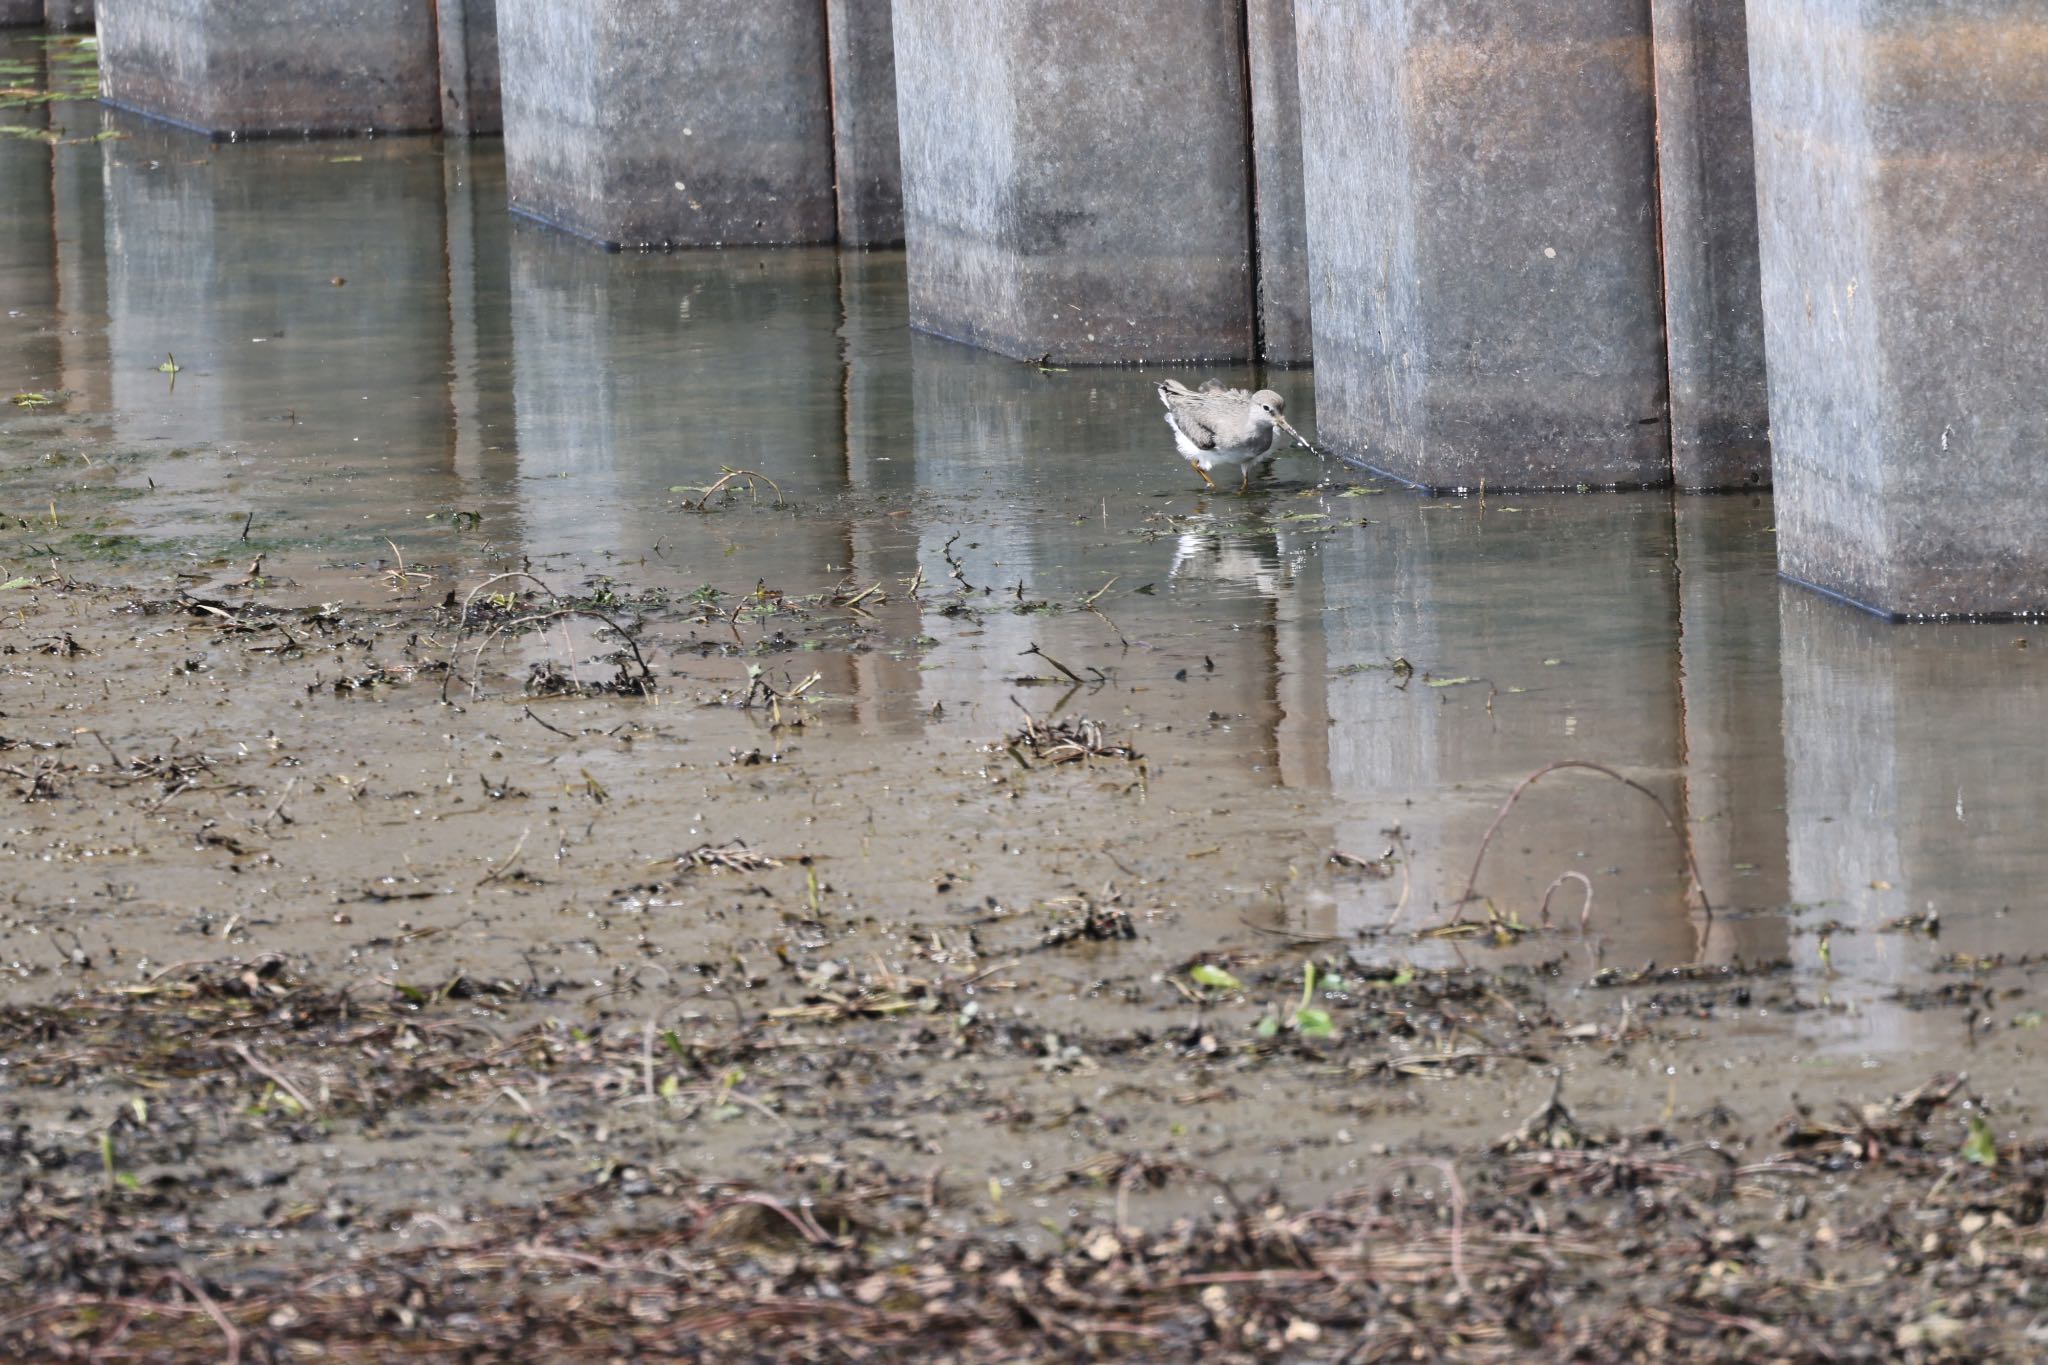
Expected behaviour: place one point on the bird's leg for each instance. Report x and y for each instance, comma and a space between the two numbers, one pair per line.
1204, 473
1244, 480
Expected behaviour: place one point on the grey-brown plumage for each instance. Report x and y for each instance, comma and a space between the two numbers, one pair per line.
1227, 435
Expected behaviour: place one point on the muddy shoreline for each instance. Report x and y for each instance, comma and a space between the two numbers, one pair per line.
625, 1030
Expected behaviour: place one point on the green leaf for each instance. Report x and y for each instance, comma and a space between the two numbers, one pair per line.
1205, 974
1980, 1147
1267, 1027
17, 583
671, 1086
1314, 1023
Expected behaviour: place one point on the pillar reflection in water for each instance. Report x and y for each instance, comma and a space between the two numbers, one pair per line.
1733, 788
638, 373
882, 469
486, 436
303, 291
30, 356
1511, 671
635, 375
1915, 782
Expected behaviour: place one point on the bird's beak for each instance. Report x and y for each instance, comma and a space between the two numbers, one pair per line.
1288, 427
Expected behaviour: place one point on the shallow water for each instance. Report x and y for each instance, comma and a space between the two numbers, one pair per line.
368, 348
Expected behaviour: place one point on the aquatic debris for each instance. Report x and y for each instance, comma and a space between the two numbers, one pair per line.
727, 476
1551, 1128
1061, 741
1378, 868
732, 857
634, 678
1085, 918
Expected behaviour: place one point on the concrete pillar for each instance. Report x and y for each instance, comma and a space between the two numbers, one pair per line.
470, 103
1902, 195
68, 14
254, 68
1483, 267
1284, 335
1713, 309
1075, 177
664, 123
866, 161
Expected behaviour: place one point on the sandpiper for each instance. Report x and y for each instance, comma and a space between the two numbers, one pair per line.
1227, 433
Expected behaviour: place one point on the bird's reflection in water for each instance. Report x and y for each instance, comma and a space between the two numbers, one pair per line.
1255, 558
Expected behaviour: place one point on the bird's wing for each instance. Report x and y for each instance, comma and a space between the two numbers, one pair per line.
1191, 419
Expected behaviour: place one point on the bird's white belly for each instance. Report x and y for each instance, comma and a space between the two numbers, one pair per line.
1228, 459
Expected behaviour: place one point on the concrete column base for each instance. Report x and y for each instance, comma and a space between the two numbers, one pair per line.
267, 68
1075, 177
1902, 193
667, 123
1482, 234
1713, 309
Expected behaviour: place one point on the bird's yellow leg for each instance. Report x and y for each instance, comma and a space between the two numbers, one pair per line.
1203, 472
1244, 482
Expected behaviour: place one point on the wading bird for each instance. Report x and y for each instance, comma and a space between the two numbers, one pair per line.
1227, 435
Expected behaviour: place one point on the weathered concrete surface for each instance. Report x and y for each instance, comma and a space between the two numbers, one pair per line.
470, 102
251, 68
1284, 334
1075, 178
1483, 265
68, 14
659, 123
1902, 192
1713, 310
866, 160
20, 13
